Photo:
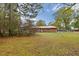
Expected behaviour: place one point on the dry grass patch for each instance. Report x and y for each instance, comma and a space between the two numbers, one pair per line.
41, 44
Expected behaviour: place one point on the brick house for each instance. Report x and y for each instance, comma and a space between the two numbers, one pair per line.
75, 30
45, 29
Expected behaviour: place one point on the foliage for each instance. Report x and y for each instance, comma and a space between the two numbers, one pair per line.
40, 23
10, 14
50, 23
64, 18
8, 20
29, 11
76, 24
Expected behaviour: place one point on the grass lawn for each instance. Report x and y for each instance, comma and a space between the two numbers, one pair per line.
43, 44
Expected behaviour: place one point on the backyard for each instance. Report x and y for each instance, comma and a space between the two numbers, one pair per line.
41, 44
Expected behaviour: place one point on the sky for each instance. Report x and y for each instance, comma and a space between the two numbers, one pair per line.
47, 13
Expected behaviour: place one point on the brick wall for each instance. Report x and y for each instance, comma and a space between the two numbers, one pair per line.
45, 29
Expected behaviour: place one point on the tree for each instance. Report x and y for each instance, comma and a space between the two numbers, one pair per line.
13, 19
1, 19
28, 11
76, 23
65, 17
41, 23
50, 23
9, 19
11, 15
59, 23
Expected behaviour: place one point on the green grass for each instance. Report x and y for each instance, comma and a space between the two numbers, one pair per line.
42, 44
